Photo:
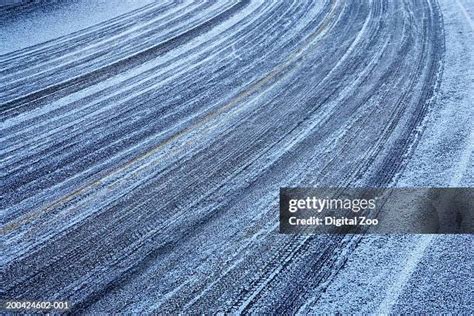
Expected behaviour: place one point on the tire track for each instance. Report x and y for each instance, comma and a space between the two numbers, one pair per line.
165, 177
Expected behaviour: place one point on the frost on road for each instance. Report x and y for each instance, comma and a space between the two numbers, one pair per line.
143, 145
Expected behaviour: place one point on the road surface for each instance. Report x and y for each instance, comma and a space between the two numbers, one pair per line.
142, 155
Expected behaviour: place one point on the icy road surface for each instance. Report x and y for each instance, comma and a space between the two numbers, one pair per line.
142, 151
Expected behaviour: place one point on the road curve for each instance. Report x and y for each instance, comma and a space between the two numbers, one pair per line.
145, 154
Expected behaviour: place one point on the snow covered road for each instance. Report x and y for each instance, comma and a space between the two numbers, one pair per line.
142, 155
